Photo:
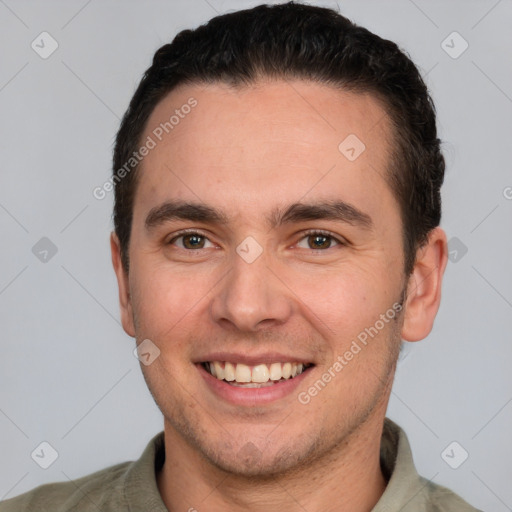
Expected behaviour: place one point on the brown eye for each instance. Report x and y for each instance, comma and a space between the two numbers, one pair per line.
193, 242
318, 241
190, 241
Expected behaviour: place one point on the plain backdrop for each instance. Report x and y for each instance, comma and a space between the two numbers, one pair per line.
68, 376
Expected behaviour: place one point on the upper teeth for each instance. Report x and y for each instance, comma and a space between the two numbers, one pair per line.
260, 373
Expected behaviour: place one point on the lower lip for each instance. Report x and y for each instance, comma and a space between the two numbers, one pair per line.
251, 396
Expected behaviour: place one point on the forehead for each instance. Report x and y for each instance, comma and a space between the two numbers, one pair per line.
252, 144
295, 111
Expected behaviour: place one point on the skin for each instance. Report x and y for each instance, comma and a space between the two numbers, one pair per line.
247, 151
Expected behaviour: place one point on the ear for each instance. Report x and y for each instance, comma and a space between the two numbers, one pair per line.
424, 287
123, 285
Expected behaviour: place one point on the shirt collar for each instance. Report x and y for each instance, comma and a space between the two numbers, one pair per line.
404, 483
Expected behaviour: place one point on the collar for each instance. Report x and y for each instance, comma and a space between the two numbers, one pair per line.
405, 487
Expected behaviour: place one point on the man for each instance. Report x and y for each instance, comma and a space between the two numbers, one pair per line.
277, 211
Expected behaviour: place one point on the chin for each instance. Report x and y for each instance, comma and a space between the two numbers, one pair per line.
249, 461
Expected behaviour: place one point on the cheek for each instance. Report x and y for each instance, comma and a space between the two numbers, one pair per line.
343, 302
164, 299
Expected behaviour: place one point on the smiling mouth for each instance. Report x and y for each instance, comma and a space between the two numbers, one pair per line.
261, 375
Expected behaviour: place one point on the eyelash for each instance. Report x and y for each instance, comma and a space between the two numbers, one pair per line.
305, 234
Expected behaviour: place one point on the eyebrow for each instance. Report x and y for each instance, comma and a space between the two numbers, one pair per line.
296, 212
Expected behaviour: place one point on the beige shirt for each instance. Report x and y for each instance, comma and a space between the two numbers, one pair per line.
132, 487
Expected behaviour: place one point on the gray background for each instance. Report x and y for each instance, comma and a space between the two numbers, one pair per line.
68, 375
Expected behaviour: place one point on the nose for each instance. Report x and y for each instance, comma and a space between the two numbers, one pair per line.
251, 297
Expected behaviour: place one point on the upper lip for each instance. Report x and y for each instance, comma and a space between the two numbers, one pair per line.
252, 359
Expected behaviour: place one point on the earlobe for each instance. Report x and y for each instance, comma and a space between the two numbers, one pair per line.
125, 302
424, 287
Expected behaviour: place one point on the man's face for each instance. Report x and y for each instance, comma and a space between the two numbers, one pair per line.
266, 284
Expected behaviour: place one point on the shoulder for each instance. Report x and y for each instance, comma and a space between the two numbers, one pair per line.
125, 486
442, 499
90, 493
406, 489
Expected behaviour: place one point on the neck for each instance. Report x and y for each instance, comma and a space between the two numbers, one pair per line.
349, 477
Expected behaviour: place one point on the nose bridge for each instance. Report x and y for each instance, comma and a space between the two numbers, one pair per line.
251, 294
